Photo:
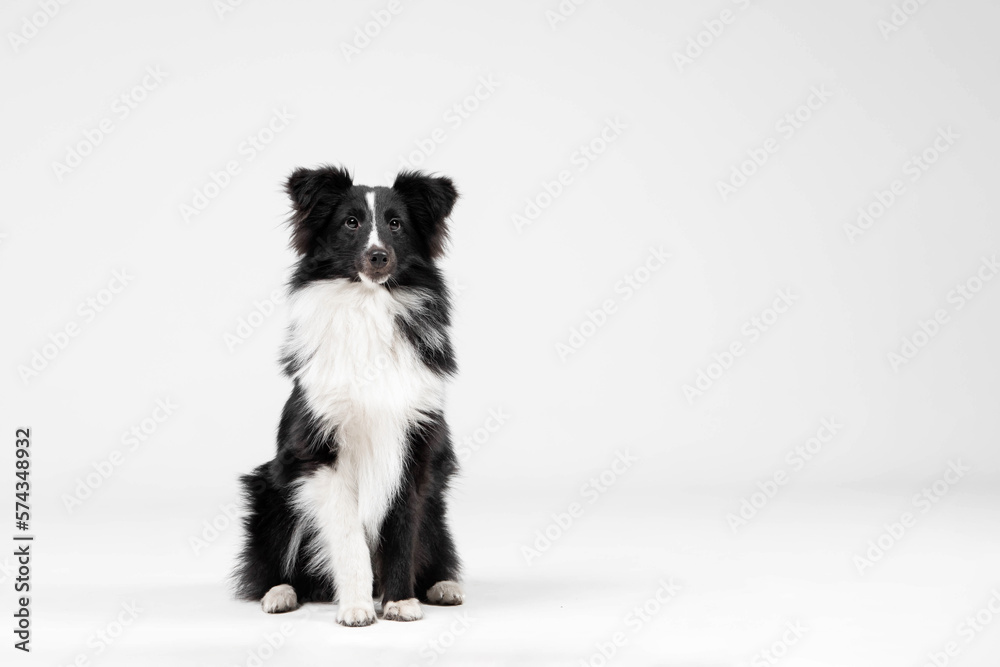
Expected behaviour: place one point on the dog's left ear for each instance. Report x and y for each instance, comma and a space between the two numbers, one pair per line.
429, 201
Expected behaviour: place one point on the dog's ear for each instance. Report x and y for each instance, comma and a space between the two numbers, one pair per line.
314, 194
429, 201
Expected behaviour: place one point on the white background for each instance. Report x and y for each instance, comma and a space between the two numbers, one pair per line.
144, 534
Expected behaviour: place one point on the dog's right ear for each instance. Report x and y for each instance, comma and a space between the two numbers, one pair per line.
314, 194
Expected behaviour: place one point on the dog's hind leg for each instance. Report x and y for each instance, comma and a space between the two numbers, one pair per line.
446, 593
279, 599
266, 568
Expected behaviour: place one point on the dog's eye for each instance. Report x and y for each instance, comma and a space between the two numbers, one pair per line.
352, 222
395, 223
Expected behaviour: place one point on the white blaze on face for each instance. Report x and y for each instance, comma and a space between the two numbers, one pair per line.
373, 239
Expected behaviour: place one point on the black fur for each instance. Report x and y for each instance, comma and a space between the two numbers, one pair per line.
415, 549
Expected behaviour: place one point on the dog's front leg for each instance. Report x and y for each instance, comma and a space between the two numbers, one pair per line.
331, 496
351, 560
397, 573
352, 575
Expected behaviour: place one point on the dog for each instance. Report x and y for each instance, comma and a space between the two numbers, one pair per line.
352, 507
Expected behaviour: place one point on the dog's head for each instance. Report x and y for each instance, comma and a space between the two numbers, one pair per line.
376, 235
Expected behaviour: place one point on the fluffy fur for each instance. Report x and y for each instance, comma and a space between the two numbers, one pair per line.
353, 504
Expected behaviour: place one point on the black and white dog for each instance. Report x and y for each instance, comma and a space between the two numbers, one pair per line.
353, 505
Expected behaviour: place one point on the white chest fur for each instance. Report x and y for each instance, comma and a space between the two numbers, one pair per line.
362, 377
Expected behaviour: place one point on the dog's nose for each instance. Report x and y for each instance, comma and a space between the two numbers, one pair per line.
378, 258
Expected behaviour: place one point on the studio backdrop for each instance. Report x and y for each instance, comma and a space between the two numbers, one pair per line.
726, 292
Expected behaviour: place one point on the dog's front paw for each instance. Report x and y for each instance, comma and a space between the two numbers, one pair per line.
356, 616
402, 610
446, 592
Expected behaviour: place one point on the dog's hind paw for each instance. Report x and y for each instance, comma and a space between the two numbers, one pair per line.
280, 599
446, 592
402, 610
